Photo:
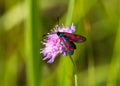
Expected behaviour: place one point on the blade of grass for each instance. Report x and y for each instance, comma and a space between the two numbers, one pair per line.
115, 62
70, 12
91, 67
2, 57
10, 78
65, 72
75, 71
32, 43
11, 61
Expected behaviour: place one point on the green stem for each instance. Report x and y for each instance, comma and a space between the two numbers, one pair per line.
70, 12
115, 64
32, 40
75, 67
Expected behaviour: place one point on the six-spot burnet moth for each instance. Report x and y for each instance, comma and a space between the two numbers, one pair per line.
68, 40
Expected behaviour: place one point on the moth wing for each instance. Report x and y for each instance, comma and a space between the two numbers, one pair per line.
77, 38
74, 37
71, 48
71, 44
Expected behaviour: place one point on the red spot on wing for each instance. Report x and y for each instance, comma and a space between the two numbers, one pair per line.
67, 34
70, 40
61, 38
78, 37
66, 43
73, 36
69, 48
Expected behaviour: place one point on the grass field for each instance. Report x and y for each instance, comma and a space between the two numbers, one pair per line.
22, 24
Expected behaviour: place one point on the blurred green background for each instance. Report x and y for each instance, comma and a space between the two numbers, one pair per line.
22, 24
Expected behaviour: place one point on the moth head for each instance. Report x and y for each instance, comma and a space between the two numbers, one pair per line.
58, 33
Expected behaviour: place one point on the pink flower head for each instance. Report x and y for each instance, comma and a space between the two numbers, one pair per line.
53, 45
